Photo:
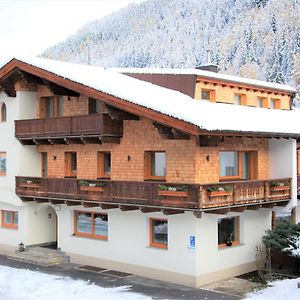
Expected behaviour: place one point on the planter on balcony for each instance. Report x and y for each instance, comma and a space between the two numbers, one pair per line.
173, 193
279, 188
32, 185
218, 193
92, 188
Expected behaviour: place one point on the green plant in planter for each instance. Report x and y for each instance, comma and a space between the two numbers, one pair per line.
91, 184
217, 188
29, 180
277, 183
230, 239
181, 188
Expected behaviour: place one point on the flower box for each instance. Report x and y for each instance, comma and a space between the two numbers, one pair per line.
218, 193
29, 185
92, 188
172, 193
280, 188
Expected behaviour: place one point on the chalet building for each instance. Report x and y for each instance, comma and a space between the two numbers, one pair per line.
128, 175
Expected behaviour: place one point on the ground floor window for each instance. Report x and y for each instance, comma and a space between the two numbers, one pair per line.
228, 231
9, 219
158, 233
91, 224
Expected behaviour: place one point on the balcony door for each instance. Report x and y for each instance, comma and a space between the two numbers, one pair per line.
238, 165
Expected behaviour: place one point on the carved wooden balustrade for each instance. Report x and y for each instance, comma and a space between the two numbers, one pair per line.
154, 194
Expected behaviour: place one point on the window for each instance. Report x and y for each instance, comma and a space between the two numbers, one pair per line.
275, 104
52, 106
228, 231
155, 165
209, 95
2, 112
94, 106
44, 164
2, 163
91, 224
262, 102
238, 165
70, 164
104, 164
10, 219
158, 233
240, 99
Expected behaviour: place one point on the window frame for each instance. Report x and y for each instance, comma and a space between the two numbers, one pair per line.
101, 165
68, 165
148, 166
253, 166
276, 102
11, 224
3, 112
92, 233
237, 238
264, 102
212, 95
58, 106
151, 234
243, 99
3, 173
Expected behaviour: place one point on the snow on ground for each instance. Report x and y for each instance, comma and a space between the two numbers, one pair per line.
279, 290
20, 284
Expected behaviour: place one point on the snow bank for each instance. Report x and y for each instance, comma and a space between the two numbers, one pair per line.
204, 114
279, 290
20, 284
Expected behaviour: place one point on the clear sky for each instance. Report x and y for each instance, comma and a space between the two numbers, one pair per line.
27, 27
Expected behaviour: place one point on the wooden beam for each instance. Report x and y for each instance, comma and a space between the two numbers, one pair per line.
41, 200
128, 208
221, 211
170, 133
197, 214
56, 202
91, 140
238, 209
72, 203
108, 206
117, 114
146, 210
172, 212
88, 204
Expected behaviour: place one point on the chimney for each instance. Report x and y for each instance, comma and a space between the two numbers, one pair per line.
209, 66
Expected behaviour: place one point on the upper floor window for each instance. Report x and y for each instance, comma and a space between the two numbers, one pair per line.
238, 165
91, 224
2, 163
209, 95
158, 233
52, 106
275, 103
262, 102
155, 165
240, 99
228, 231
70, 164
94, 106
10, 219
104, 164
2, 112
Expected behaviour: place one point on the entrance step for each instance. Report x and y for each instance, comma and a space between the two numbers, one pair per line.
41, 256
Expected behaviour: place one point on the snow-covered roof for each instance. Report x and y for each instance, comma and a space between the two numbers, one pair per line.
205, 115
209, 75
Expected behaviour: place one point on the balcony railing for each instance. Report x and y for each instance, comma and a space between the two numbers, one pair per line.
154, 194
64, 127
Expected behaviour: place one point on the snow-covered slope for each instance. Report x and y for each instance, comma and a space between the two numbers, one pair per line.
253, 38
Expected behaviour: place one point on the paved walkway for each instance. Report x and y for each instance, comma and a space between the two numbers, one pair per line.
153, 288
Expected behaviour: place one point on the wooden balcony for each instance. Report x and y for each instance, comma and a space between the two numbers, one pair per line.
95, 128
170, 198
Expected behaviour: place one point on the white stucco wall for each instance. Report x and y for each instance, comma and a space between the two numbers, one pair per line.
211, 258
283, 163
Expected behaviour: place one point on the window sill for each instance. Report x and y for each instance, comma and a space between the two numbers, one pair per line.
92, 237
10, 227
234, 245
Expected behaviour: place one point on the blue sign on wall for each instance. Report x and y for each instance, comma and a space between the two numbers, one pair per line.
192, 244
